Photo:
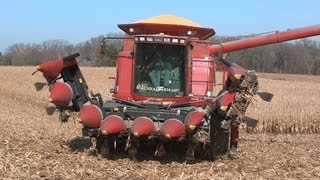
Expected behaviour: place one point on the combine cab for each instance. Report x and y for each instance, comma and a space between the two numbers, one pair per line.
163, 90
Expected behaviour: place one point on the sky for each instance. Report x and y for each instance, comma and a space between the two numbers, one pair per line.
34, 21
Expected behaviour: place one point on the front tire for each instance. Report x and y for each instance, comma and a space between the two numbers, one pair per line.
219, 137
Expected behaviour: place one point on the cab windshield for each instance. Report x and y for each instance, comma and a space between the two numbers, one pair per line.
160, 70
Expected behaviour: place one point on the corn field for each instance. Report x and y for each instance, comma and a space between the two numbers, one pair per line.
34, 145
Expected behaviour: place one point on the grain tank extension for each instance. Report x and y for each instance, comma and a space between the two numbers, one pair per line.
163, 88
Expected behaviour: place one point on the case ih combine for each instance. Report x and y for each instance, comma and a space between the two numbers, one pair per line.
162, 95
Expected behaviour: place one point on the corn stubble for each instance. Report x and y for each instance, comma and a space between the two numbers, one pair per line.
34, 145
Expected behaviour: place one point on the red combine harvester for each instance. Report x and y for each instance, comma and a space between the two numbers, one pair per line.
163, 89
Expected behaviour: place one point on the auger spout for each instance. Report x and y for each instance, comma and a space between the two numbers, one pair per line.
277, 37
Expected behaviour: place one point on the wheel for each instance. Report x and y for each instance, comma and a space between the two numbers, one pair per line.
219, 140
219, 137
103, 146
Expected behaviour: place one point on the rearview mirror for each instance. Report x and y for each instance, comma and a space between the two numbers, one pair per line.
101, 48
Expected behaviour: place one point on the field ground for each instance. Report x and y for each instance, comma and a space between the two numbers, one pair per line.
34, 145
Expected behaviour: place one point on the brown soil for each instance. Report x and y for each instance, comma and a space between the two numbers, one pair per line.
290, 77
34, 145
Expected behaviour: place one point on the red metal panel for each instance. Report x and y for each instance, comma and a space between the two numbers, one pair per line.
124, 76
128, 45
193, 119
90, 116
202, 76
227, 98
52, 68
112, 124
235, 70
142, 126
172, 128
61, 94
279, 36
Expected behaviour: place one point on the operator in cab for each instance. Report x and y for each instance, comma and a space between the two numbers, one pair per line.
159, 67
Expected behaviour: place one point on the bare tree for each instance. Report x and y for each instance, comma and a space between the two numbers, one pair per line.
298, 57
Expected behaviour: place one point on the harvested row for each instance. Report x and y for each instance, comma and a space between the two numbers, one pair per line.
34, 145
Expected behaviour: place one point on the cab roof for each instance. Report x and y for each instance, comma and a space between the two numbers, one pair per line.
168, 24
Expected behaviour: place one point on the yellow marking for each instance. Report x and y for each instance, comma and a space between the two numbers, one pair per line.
136, 134
80, 80
192, 127
237, 76
223, 108
116, 109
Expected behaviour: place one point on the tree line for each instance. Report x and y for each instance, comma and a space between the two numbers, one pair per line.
32, 54
296, 57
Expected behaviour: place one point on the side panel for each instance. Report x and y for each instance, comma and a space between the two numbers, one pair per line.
124, 76
202, 76
202, 70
